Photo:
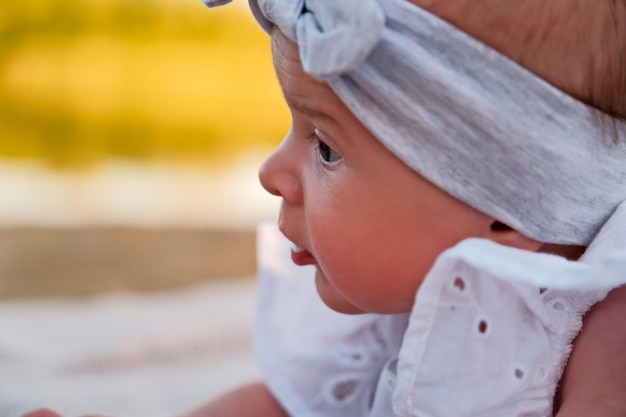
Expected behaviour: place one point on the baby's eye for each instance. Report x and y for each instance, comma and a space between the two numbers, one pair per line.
327, 154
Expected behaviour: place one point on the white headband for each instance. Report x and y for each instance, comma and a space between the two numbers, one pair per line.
464, 116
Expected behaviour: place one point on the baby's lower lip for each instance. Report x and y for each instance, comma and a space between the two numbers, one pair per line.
301, 257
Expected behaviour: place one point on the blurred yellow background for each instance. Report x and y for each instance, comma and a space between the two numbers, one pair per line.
130, 136
86, 80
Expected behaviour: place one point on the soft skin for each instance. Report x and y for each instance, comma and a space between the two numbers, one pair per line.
371, 225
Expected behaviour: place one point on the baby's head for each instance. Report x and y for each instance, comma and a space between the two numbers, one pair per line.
376, 186
370, 224
578, 46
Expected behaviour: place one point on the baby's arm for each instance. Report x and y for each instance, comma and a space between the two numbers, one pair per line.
252, 400
594, 383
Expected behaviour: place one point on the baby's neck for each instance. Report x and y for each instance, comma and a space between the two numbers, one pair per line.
570, 252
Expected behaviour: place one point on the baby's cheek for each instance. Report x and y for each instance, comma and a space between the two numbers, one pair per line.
334, 261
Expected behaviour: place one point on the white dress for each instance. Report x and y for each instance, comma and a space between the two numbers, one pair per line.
489, 334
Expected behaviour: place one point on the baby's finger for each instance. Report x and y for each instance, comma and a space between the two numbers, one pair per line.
93, 415
42, 412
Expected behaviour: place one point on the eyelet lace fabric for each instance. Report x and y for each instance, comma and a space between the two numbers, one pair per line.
489, 334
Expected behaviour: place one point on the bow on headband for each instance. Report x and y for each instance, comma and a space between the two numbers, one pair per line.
462, 115
325, 31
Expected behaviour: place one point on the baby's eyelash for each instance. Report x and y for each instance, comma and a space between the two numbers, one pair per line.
327, 155
314, 138
320, 145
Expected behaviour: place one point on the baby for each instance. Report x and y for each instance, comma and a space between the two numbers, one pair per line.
434, 183
409, 137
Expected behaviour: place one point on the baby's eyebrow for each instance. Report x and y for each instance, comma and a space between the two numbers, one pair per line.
310, 112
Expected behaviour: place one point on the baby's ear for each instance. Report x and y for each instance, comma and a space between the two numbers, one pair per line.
507, 236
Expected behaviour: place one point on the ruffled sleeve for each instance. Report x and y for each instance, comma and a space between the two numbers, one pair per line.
492, 327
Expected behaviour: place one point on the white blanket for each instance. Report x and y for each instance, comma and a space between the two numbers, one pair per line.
126, 355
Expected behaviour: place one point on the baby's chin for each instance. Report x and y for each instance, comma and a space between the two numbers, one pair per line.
333, 298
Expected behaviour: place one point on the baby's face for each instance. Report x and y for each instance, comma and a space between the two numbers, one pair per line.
370, 225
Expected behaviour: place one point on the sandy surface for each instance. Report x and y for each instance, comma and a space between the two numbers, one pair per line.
90, 261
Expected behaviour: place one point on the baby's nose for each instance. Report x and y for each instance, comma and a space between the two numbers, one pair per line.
267, 176
279, 176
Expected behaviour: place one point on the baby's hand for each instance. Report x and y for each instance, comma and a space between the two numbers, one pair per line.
44, 412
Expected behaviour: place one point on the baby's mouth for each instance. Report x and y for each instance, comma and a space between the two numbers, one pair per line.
301, 256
